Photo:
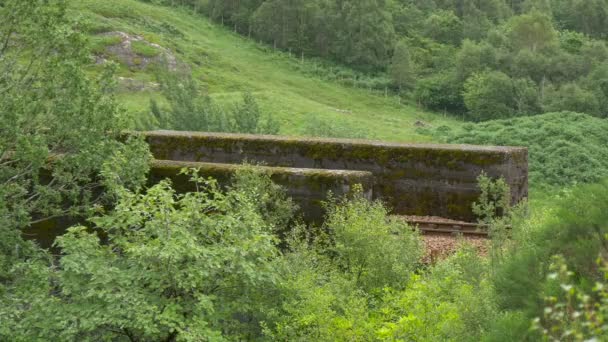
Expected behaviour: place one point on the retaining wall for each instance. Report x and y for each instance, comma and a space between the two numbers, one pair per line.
413, 179
307, 187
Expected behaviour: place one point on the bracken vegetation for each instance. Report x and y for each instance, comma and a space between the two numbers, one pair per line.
565, 148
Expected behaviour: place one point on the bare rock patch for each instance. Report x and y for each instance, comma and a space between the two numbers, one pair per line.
133, 51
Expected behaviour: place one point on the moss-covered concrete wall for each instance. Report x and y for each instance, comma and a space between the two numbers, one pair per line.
413, 179
307, 187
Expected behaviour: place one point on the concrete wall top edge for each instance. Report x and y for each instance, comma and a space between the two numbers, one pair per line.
354, 142
172, 164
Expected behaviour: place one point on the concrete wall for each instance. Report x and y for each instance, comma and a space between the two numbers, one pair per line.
413, 179
307, 187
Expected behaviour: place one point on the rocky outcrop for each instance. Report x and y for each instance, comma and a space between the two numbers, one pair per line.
135, 52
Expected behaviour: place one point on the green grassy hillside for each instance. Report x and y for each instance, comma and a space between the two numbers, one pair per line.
228, 64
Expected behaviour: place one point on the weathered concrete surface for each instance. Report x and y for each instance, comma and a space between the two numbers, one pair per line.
307, 187
413, 179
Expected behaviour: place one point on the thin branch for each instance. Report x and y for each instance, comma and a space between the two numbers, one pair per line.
7, 40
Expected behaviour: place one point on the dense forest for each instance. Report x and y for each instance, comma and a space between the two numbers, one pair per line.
486, 59
142, 262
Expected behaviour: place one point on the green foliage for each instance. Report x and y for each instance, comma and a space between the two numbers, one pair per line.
273, 204
317, 127
574, 315
334, 277
440, 92
533, 31
474, 58
496, 215
144, 49
495, 199
589, 17
317, 301
564, 148
489, 95
540, 44
450, 303
246, 118
160, 266
444, 27
323, 299
100, 43
375, 250
597, 81
401, 70
286, 86
510, 326
59, 127
206, 265
573, 98
494, 95
576, 229
189, 110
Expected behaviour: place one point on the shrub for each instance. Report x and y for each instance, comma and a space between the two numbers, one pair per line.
571, 97
564, 148
452, 302
576, 229
316, 302
247, 118
161, 266
271, 200
573, 315
440, 92
495, 198
489, 95
375, 249
333, 277
191, 110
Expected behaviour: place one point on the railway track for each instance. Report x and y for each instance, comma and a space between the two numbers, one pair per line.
445, 226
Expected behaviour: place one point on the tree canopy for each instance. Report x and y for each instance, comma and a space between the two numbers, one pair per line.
554, 43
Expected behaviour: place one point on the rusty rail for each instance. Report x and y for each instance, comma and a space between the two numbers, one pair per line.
426, 225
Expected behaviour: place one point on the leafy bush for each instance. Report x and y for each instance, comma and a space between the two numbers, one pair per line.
161, 266
51, 106
247, 118
574, 315
452, 302
576, 229
495, 198
440, 92
571, 97
564, 148
316, 301
334, 276
273, 204
373, 248
190, 110
494, 95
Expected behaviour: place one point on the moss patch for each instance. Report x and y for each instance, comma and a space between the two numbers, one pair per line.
144, 49
100, 43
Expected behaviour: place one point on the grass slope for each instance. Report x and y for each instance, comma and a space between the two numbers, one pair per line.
229, 64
